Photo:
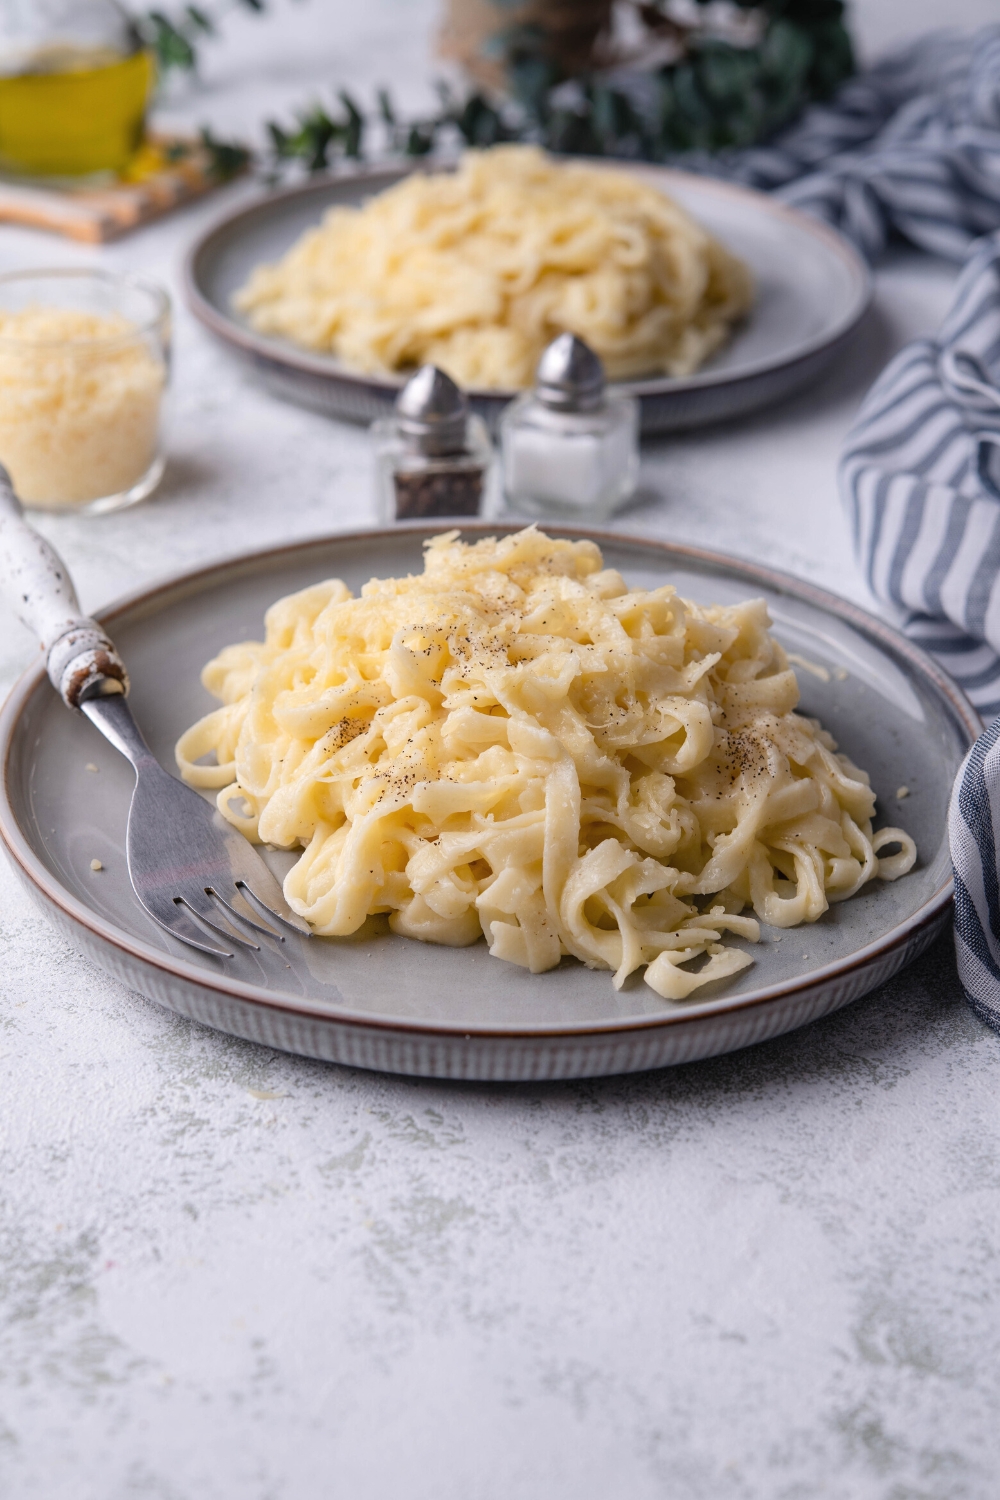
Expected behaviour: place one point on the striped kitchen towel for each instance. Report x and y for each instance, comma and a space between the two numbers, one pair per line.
911, 145
920, 477
973, 829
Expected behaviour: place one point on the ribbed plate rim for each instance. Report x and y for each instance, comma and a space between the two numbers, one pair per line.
780, 582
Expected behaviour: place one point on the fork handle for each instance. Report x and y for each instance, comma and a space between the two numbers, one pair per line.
81, 659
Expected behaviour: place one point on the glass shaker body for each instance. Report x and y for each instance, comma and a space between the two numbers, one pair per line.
570, 463
413, 485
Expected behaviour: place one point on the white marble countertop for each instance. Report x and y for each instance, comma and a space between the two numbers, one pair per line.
230, 1274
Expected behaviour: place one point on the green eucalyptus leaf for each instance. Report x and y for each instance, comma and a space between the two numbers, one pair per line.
786, 52
226, 160
199, 20
419, 140
833, 59
531, 80
724, 73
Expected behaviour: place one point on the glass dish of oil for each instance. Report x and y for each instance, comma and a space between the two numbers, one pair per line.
74, 85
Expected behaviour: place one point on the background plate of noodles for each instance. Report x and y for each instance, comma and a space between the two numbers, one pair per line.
379, 999
721, 359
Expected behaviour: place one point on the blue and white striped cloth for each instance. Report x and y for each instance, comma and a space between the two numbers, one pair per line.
920, 476
911, 146
974, 831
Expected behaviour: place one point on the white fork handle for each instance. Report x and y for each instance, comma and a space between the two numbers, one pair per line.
82, 661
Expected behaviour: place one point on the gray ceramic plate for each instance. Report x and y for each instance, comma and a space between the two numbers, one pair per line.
381, 1001
812, 290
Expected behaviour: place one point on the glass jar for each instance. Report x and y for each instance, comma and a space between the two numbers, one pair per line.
84, 361
433, 457
75, 81
570, 446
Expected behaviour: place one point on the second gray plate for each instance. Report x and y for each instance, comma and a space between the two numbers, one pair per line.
812, 290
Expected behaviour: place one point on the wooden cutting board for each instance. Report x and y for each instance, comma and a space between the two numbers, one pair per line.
168, 170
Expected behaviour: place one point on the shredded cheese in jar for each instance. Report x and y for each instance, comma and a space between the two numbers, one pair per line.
80, 397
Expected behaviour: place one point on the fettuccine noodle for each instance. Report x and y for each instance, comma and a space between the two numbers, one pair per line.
478, 270
516, 745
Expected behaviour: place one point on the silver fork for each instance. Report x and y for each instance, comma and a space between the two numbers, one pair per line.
190, 869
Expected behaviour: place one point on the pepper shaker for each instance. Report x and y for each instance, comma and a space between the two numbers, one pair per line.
570, 446
433, 456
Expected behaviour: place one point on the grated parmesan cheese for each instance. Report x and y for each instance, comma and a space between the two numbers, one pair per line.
79, 404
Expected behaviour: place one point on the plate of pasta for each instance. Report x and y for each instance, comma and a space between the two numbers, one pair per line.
704, 298
552, 805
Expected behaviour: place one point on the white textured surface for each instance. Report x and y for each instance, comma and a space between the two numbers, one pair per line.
226, 1274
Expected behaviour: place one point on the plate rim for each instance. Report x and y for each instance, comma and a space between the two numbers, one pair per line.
48, 886
287, 355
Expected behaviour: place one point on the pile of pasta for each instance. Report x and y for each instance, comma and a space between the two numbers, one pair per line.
514, 744
477, 270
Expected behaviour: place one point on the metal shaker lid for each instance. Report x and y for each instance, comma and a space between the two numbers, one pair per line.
431, 412
570, 377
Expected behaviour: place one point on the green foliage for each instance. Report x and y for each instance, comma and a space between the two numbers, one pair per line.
174, 38
317, 135
717, 94
169, 41
225, 159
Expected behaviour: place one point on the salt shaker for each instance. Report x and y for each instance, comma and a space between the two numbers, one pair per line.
433, 456
570, 447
